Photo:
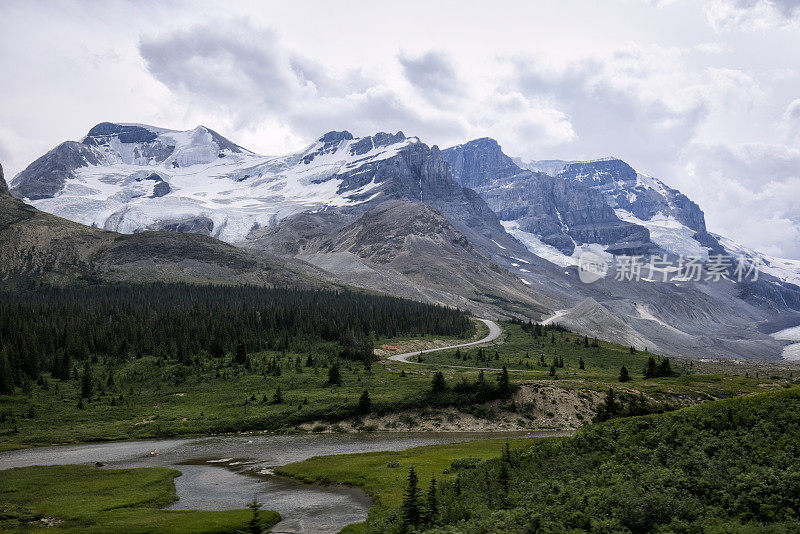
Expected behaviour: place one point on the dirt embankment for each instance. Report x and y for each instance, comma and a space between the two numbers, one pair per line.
533, 407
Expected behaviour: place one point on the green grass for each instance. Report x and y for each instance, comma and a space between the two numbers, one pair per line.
520, 351
727, 466
148, 400
154, 397
85, 499
383, 475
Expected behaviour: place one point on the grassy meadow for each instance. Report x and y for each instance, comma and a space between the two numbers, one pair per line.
84, 499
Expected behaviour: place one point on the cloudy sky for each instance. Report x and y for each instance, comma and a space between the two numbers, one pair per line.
702, 93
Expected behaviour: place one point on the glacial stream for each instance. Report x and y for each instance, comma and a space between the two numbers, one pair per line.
227, 472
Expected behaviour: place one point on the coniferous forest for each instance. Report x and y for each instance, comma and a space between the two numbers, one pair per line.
53, 329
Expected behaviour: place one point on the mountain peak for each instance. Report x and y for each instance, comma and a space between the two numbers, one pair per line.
334, 137
126, 133
479, 161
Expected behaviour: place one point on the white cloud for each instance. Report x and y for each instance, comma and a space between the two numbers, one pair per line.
791, 122
664, 84
749, 192
752, 14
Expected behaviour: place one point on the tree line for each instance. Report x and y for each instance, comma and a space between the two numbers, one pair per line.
51, 329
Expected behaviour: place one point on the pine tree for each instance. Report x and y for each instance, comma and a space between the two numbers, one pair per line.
277, 398
552, 370
86, 381
410, 508
650, 369
623, 374
364, 403
506, 456
241, 353
503, 477
334, 375
438, 384
664, 368
431, 508
6, 376
309, 361
503, 385
217, 350
581, 364
255, 525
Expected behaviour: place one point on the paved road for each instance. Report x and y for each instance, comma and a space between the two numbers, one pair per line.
494, 333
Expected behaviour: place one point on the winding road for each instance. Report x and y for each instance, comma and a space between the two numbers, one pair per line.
494, 333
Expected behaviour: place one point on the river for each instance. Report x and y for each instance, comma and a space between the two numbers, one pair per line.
227, 472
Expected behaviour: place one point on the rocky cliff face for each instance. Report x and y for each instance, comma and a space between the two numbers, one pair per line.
642, 195
561, 213
3, 184
479, 162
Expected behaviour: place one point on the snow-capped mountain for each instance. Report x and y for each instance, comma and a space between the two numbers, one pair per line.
467, 226
130, 177
676, 224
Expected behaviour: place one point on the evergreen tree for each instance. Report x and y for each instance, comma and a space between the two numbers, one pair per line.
632, 351
431, 506
410, 508
217, 350
506, 456
664, 368
581, 364
623, 374
241, 353
650, 370
552, 370
87, 384
255, 525
438, 384
277, 398
334, 375
364, 403
503, 477
6, 376
503, 386
309, 361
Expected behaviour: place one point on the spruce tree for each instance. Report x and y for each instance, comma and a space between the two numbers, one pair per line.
410, 508
86, 381
664, 368
581, 364
438, 384
241, 353
650, 369
364, 403
255, 524
334, 375
6, 376
503, 385
503, 477
623, 374
431, 506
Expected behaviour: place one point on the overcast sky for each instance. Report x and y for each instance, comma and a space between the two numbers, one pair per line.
704, 94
